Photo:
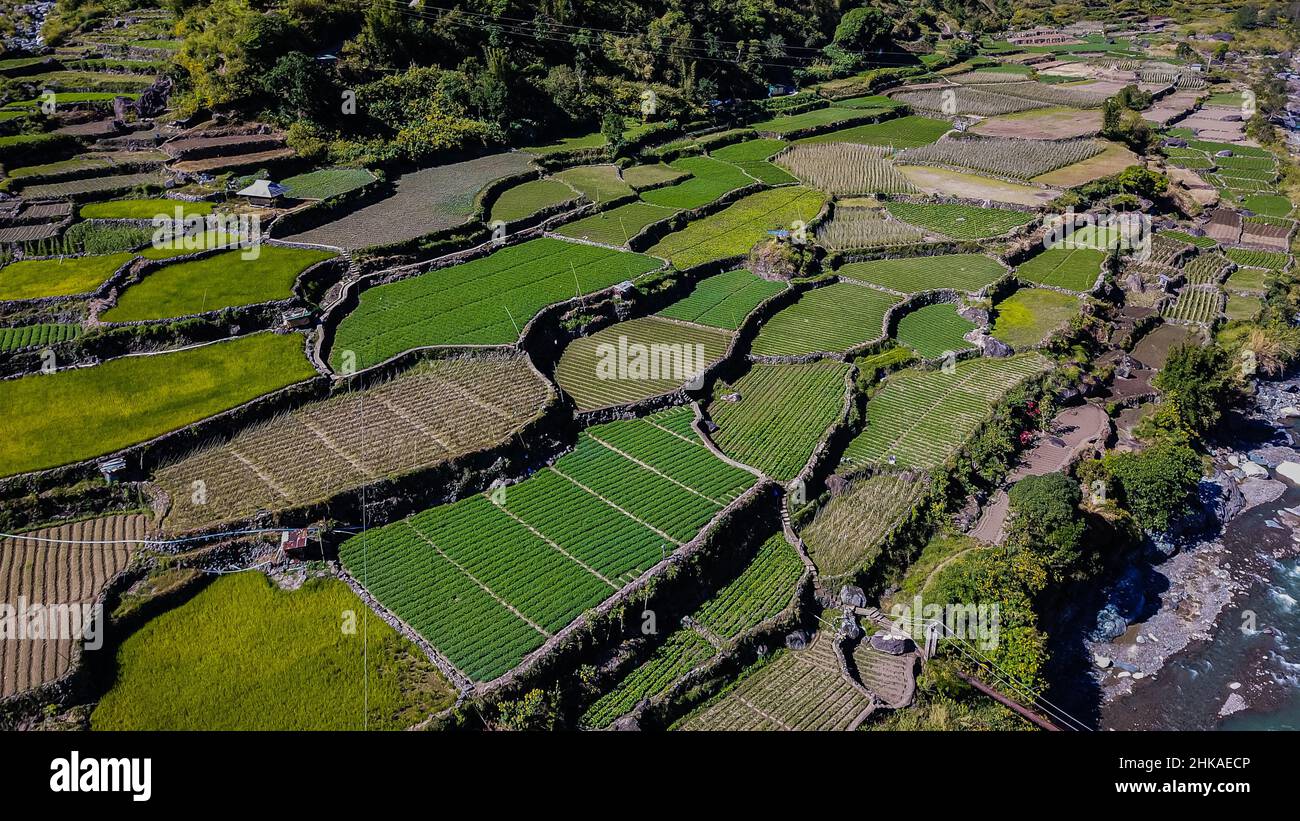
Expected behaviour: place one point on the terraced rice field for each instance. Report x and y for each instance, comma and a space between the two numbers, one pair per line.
245, 654
49, 567
681, 652
900, 132
723, 300
845, 169
59, 418
1026, 318
863, 226
483, 302
1189, 239
832, 318
921, 418
734, 230
910, 275
783, 412
436, 411
326, 182
950, 182
752, 157
710, 178
1003, 157
960, 221
637, 359
1248, 280
966, 100
1243, 307
593, 140
488, 582
424, 202
223, 280
602, 183
36, 336
934, 330
92, 185
143, 209
818, 117
847, 533
1199, 304
58, 276
1270, 205
797, 690
528, 198
1076, 269
1207, 269
760, 592
617, 225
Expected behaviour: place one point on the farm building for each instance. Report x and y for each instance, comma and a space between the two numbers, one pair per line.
294, 543
263, 193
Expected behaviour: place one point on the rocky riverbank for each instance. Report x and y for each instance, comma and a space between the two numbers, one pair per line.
1174, 604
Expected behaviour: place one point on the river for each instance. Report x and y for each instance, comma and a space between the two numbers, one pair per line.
1249, 668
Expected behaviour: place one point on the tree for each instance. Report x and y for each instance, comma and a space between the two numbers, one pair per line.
298, 86
537, 710
1045, 519
1157, 484
611, 125
1246, 17
1185, 52
861, 28
1110, 115
1199, 380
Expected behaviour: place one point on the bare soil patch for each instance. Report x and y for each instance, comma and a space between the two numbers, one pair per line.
973, 186
1042, 124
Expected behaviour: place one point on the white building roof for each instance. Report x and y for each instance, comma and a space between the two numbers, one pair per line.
263, 188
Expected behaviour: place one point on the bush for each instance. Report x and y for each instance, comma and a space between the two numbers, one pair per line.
1046, 520
1157, 484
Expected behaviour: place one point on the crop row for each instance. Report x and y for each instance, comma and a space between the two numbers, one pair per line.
847, 532
934, 330
844, 169
1002, 156
829, 319
485, 301
781, 414
1259, 259
32, 336
864, 227
433, 412
920, 418
761, 591
910, 275
1195, 304
485, 580
799, 690
723, 300
960, 221
1206, 269
966, 100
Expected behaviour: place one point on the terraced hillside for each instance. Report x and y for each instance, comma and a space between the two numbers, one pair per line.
434, 412
68, 564
920, 418
487, 582
484, 302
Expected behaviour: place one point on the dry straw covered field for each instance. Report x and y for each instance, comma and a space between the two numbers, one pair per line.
47, 567
845, 168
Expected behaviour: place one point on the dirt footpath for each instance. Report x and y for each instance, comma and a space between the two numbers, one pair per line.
1072, 430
